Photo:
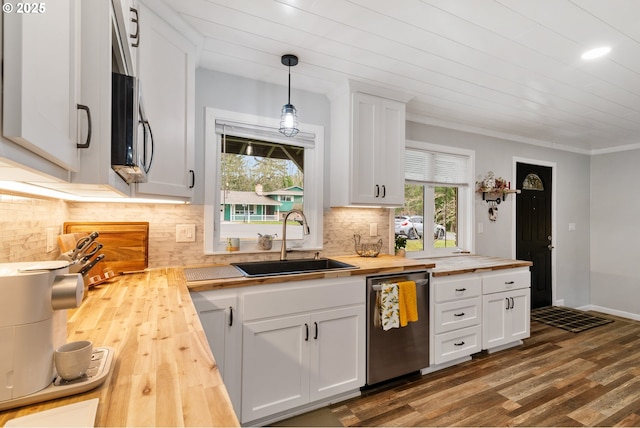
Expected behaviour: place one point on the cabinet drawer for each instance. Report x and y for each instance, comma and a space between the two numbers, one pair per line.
457, 314
457, 289
513, 279
457, 344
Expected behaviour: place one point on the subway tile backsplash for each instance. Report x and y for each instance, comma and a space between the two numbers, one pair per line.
25, 222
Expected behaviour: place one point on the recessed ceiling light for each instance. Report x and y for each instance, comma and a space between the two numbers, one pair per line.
596, 53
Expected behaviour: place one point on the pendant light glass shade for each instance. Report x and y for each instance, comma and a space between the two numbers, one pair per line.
289, 116
289, 120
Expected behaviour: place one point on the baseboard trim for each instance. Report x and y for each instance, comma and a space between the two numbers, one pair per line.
604, 310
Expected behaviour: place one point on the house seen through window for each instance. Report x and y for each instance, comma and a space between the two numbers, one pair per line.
260, 182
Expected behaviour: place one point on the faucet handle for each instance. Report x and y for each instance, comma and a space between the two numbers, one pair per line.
317, 255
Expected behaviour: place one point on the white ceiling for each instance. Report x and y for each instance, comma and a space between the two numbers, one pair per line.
509, 68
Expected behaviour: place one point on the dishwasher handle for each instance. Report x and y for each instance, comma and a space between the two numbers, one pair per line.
378, 287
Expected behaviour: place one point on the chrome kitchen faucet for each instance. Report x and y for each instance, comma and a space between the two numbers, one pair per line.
305, 230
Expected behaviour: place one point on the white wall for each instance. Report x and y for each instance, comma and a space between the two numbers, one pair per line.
615, 233
572, 188
238, 94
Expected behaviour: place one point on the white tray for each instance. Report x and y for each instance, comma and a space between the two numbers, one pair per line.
101, 362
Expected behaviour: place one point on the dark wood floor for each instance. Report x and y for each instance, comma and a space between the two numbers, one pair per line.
556, 378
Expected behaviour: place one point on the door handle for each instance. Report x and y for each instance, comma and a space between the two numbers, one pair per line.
135, 36
230, 316
192, 173
377, 191
384, 191
507, 299
316, 336
513, 303
550, 247
306, 337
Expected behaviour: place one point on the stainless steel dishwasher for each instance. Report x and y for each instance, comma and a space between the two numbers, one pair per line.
403, 350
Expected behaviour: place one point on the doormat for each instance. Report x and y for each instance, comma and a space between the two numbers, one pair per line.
569, 319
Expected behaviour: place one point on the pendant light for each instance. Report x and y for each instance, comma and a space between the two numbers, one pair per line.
289, 118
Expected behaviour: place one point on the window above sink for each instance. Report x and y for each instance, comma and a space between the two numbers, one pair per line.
228, 136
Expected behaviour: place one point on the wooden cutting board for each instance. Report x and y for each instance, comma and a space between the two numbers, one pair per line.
125, 244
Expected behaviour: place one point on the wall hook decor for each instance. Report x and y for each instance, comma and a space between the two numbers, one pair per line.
494, 189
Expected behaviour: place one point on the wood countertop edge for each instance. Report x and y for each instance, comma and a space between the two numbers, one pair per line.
507, 265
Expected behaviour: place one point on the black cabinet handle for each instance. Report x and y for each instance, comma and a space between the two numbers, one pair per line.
193, 179
316, 336
377, 191
384, 190
306, 338
461, 314
135, 36
507, 299
87, 143
459, 344
461, 289
230, 316
509, 282
513, 303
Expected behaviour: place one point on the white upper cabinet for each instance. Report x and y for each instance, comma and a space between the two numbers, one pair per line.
166, 61
41, 80
94, 168
127, 34
367, 148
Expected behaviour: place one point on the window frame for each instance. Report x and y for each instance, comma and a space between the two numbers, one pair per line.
466, 212
313, 182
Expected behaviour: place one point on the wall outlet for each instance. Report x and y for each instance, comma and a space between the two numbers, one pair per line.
185, 233
373, 229
52, 234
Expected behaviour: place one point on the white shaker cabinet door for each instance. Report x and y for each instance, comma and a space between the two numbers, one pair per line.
166, 67
275, 374
41, 79
337, 359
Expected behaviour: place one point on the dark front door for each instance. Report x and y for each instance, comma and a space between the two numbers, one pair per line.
533, 228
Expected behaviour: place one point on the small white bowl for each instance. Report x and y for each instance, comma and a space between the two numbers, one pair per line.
72, 359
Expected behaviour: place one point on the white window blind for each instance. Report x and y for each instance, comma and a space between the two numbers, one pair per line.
435, 167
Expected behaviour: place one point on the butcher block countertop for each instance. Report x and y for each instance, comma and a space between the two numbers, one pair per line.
164, 373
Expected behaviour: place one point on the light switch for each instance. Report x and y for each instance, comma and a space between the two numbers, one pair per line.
480, 228
185, 233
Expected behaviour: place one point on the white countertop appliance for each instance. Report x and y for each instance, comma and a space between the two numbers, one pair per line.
34, 297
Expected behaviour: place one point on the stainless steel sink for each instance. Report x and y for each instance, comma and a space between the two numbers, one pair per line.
288, 267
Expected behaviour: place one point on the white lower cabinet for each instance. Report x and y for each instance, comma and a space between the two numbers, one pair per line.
219, 315
506, 308
457, 317
291, 361
478, 311
287, 345
303, 342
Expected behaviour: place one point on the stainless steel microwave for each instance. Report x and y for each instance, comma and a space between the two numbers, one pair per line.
131, 136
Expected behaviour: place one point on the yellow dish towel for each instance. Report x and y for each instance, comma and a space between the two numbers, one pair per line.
408, 302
